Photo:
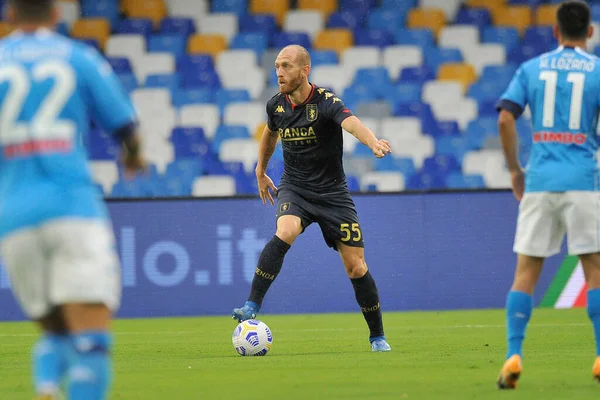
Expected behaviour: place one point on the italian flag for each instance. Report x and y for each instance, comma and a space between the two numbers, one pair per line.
568, 289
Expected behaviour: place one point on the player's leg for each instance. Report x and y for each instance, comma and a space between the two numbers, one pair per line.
539, 235
24, 259
365, 291
581, 214
591, 270
292, 218
86, 283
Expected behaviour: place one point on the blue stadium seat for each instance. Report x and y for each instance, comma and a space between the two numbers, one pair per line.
386, 19
174, 187
91, 42
321, 57
171, 43
191, 143
257, 41
377, 78
415, 37
403, 93
487, 90
441, 164
524, 53
282, 39
487, 108
530, 3
457, 180
344, 19
447, 129
353, 183
425, 181
502, 73
237, 7
184, 169
120, 65
132, 189
361, 7
479, 130
182, 97
201, 79
177, 26
195, 63
479, 17
225, 132
434, 57
187, 137
394, 4
507, 36
596, 12
101, 146
540, 36
265, 23
274, 170
373, 37
62, 28
419, 110
224, 97
453, 146
166, 81
140, 26
402, 5
128, 80
108, 9
392, 163
357, 93
416, 75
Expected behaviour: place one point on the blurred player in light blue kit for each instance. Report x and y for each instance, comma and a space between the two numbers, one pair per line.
558, 191
56, 239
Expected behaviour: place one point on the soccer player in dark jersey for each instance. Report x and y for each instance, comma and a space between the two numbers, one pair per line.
309, 120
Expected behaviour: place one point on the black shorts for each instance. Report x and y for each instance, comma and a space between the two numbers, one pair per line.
335, 213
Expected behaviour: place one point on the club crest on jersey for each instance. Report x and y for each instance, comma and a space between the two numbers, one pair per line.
312, 112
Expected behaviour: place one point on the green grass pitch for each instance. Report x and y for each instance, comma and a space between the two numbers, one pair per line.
436, 355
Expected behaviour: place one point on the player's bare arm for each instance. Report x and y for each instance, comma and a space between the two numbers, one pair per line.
356, 128
131, 149
266, 148
508, 135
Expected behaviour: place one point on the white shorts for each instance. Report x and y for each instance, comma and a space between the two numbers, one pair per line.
64, 261
545, 218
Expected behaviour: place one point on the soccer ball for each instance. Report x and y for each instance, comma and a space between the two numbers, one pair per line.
252, 338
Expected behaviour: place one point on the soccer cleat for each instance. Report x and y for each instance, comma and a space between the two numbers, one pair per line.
248, 311
510, 372
596, 369
380, 344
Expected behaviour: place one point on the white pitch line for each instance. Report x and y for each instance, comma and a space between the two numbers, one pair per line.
404, 327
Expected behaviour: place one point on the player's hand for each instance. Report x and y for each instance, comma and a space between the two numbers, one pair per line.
518, 183
380, 148
265, 185
133, 165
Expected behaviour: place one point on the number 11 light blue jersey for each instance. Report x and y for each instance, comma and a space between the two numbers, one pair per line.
50, 89
562, 89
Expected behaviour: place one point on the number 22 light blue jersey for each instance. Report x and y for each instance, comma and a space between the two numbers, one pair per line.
50, 89
562, 89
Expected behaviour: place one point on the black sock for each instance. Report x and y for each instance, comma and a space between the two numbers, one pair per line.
269, 265
367, 297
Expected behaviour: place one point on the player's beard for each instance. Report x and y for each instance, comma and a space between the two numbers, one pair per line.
291, 86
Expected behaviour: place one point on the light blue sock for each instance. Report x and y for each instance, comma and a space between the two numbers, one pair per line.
593, 309
91, 371
519, 306
50, 359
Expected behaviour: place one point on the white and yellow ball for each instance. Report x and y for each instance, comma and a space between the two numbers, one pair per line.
252, 338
